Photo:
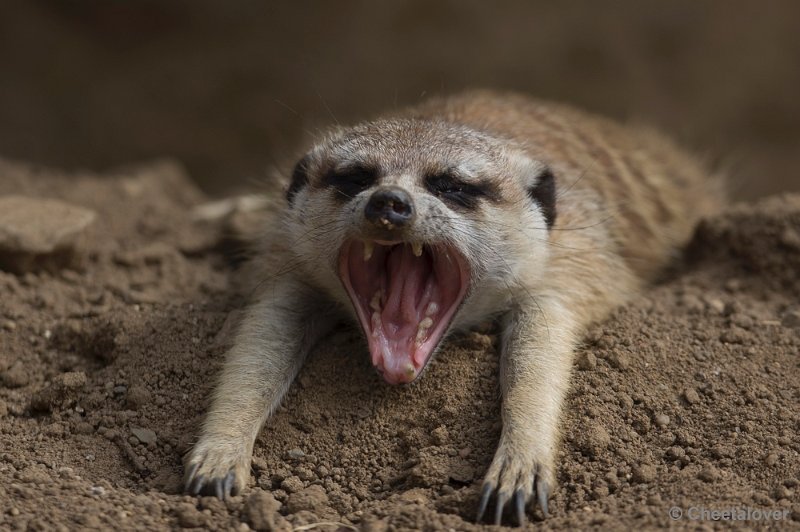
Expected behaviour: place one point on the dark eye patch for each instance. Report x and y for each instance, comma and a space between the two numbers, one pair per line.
457, 192
544, 193
349, 182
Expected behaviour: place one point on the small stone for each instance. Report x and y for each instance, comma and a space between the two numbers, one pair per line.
146, 436
587, 361
790, 238
138, 396
295, 454
261, 511
676, 453
691, 396
594, 441
708, 474
771, 459
791, 319
661, 420
644, 474
38, 233
189, 516
292, 484
463, 453
716, 305
313, 499
120, 390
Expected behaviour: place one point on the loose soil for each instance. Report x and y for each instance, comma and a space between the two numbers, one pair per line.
686, 397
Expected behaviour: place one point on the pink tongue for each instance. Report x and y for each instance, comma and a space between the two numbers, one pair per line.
406, 279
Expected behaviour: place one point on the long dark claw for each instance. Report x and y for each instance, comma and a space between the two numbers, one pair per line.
227, 484
196, 485
542, 495
519, 505
189, 475
502, 497
486, 493
217, 484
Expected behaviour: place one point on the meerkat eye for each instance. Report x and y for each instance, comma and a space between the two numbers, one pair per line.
457, 192
349, 182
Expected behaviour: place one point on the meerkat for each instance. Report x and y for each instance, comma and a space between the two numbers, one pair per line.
434, 219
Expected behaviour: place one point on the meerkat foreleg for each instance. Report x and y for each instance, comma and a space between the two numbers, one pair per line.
275, 335
534, 376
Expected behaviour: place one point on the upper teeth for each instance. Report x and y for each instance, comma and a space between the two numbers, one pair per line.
369, 247
416, 247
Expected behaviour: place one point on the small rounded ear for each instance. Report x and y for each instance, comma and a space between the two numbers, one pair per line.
299, 178
543, 193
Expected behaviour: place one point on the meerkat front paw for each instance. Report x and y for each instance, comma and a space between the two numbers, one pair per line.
216, 467
517, 471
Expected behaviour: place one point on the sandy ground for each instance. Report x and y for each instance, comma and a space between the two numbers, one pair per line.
687, 397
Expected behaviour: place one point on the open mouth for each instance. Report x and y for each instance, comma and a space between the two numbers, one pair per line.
405, 296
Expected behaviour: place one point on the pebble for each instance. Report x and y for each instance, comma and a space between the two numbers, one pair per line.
791, 318
771, 459
146, 436
295, 454
661, 420
313, 498
594, 441
691, 396
587, 361
37, 232
716, 305
260, 510
292, 484
138, 396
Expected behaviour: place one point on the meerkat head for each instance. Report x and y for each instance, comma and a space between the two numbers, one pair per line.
414, 218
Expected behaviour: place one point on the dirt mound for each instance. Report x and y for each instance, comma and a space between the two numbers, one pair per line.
687, 397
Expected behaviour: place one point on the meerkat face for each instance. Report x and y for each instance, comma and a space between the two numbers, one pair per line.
415, 219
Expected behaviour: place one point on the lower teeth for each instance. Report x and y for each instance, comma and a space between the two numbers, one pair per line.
422, 330
376, 324
375, 303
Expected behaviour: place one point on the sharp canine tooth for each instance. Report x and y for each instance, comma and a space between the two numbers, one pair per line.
369, 247
376, 324
416, 247
432, 309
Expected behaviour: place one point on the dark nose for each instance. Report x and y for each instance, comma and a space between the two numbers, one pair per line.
389, 207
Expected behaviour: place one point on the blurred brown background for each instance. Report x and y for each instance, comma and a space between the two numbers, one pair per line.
230, 88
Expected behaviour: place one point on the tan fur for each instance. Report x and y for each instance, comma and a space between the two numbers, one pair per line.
627, 200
